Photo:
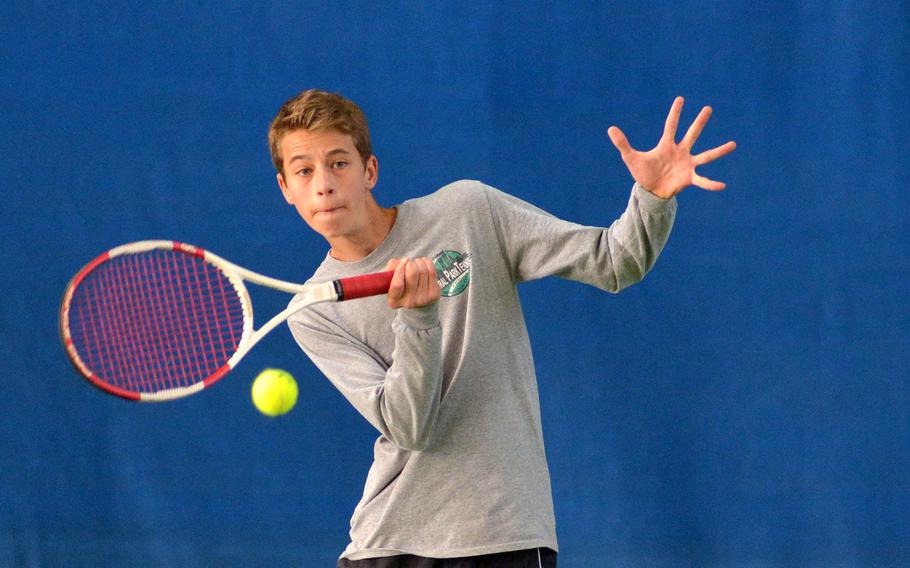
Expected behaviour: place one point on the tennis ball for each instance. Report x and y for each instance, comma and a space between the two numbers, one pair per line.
274, 392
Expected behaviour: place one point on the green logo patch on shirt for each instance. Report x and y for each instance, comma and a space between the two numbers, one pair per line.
453, 272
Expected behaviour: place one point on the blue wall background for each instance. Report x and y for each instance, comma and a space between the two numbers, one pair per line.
745, 405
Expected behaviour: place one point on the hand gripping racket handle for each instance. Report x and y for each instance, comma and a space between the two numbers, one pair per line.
363, 286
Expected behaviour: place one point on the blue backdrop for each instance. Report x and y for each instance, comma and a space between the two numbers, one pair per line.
742, 406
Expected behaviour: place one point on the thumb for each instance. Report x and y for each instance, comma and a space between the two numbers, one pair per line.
619, 140
392, 264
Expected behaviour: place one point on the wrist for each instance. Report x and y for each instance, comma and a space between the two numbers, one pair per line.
661, 192
424, 317
650, 202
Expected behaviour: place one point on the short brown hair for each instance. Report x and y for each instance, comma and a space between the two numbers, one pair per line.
314, 109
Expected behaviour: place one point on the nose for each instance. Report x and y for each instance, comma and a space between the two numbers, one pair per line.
323, 182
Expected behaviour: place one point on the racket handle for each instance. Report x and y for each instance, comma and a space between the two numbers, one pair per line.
363, 286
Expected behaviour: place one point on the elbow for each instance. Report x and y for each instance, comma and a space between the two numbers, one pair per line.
414, 440
410, 409
628, 264
631, 271
413, 444
412, 428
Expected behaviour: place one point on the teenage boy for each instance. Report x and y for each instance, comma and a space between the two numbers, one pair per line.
442, 366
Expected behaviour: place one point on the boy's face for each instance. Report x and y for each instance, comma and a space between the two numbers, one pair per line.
326, 180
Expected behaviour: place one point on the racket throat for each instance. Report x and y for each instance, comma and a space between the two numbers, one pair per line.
325, 292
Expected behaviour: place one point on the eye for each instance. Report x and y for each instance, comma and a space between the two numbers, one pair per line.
304, 171
339, 164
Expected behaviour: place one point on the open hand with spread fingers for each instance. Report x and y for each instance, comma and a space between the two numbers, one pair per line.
670, 167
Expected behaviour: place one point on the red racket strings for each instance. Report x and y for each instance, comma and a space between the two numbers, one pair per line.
155, 320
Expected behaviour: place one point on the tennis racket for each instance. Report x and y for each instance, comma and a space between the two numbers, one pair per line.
159, 320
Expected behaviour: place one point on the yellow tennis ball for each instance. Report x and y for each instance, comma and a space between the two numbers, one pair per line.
274, 392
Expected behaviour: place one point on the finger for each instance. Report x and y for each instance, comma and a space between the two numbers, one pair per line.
430, 292
391, 264
411, 278
434, 282
423, 280
706, 183
673, 119
714, 153
697, 126
619, 140
396, 286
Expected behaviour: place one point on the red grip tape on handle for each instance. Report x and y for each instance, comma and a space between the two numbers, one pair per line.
365, 285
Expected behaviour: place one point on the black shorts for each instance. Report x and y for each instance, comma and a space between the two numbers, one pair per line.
530, 558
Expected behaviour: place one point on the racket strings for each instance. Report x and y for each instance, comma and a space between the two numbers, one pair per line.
155, 320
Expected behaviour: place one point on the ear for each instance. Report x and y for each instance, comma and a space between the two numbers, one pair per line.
284, 189
371, 172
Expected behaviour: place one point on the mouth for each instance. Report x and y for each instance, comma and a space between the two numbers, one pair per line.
328, 211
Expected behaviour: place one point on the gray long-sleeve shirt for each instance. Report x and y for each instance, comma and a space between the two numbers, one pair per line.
459, 468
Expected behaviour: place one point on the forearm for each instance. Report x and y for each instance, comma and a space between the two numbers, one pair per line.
397, 392
636, 239
411, 393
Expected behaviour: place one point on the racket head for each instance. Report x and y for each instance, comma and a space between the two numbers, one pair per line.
155, 320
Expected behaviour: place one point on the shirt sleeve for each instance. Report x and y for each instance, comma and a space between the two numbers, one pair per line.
402, 399
537, 244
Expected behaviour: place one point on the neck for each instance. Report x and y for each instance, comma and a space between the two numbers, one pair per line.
350, 248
